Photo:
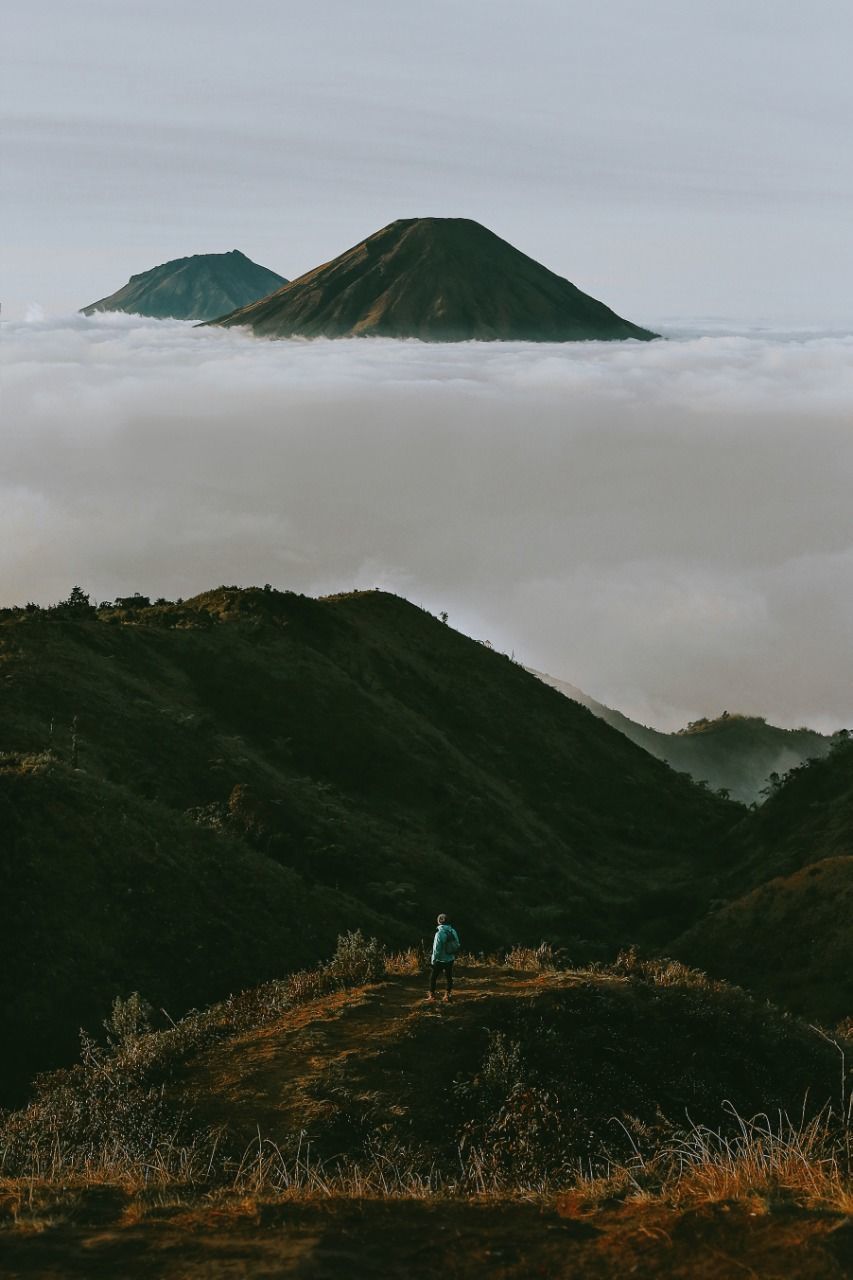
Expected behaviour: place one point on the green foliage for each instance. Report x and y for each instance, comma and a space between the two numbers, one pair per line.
118, 890
129, 1019
75, 606
77, 599
779, 922
356, 960
110, 1099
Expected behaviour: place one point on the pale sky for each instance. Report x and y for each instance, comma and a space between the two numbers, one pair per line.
666, 525
675, 159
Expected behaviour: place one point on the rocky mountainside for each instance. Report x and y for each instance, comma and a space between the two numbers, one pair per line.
437, 279
200, 795
735, 753
195, 288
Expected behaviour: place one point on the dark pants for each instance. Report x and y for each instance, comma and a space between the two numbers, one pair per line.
445, 967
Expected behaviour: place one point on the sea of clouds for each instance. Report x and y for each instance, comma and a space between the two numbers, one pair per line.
667, 525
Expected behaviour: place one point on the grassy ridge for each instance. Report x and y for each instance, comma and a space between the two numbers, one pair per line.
637, 1079
230, 780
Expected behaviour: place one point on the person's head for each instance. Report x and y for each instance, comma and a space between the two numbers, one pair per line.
442, 919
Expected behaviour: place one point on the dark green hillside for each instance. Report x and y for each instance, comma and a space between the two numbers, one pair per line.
785, 930
104, 893
808, 817
790, 939
351, 746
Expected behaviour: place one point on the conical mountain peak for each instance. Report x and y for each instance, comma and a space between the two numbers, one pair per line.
194, 288
437, 279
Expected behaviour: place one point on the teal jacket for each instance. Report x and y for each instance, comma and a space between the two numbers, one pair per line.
440, 952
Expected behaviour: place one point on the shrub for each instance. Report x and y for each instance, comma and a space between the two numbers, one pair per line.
534, 959
129, 1019
403, 962
356, 960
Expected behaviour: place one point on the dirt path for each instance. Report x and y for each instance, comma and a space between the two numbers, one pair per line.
274, 1078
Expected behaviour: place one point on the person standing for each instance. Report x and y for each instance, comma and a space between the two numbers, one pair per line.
445, 949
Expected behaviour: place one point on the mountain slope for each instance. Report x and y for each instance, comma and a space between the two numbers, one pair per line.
808, 817
733, 752
785, 929
104, 893
791, 939
389, 765
195, 288
437, 279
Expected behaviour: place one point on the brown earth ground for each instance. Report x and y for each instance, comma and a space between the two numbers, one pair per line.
447, 1241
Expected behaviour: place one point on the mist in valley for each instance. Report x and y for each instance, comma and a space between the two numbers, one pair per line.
665, 525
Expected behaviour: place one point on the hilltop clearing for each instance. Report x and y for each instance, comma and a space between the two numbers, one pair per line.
522, 1079
353, 754
437, 279
526, 1072
535, 1126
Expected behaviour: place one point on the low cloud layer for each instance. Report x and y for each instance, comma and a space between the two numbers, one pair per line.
667, 526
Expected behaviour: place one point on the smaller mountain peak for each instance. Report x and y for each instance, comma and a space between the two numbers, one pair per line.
197, 287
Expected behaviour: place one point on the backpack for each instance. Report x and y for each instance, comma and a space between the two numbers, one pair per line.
452, 945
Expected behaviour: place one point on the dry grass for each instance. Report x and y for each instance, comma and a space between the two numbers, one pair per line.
401, 963
808, 1163
661, 971
532, 959
103, 1125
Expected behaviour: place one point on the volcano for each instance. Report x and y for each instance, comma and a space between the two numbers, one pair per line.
437, 279
195, 288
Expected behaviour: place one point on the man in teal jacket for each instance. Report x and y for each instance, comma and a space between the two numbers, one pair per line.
445, 948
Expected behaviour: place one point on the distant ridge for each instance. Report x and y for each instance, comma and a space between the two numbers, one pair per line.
439, 280
734, 752
195, 288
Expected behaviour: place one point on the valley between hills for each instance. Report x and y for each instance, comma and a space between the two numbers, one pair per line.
227, 825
